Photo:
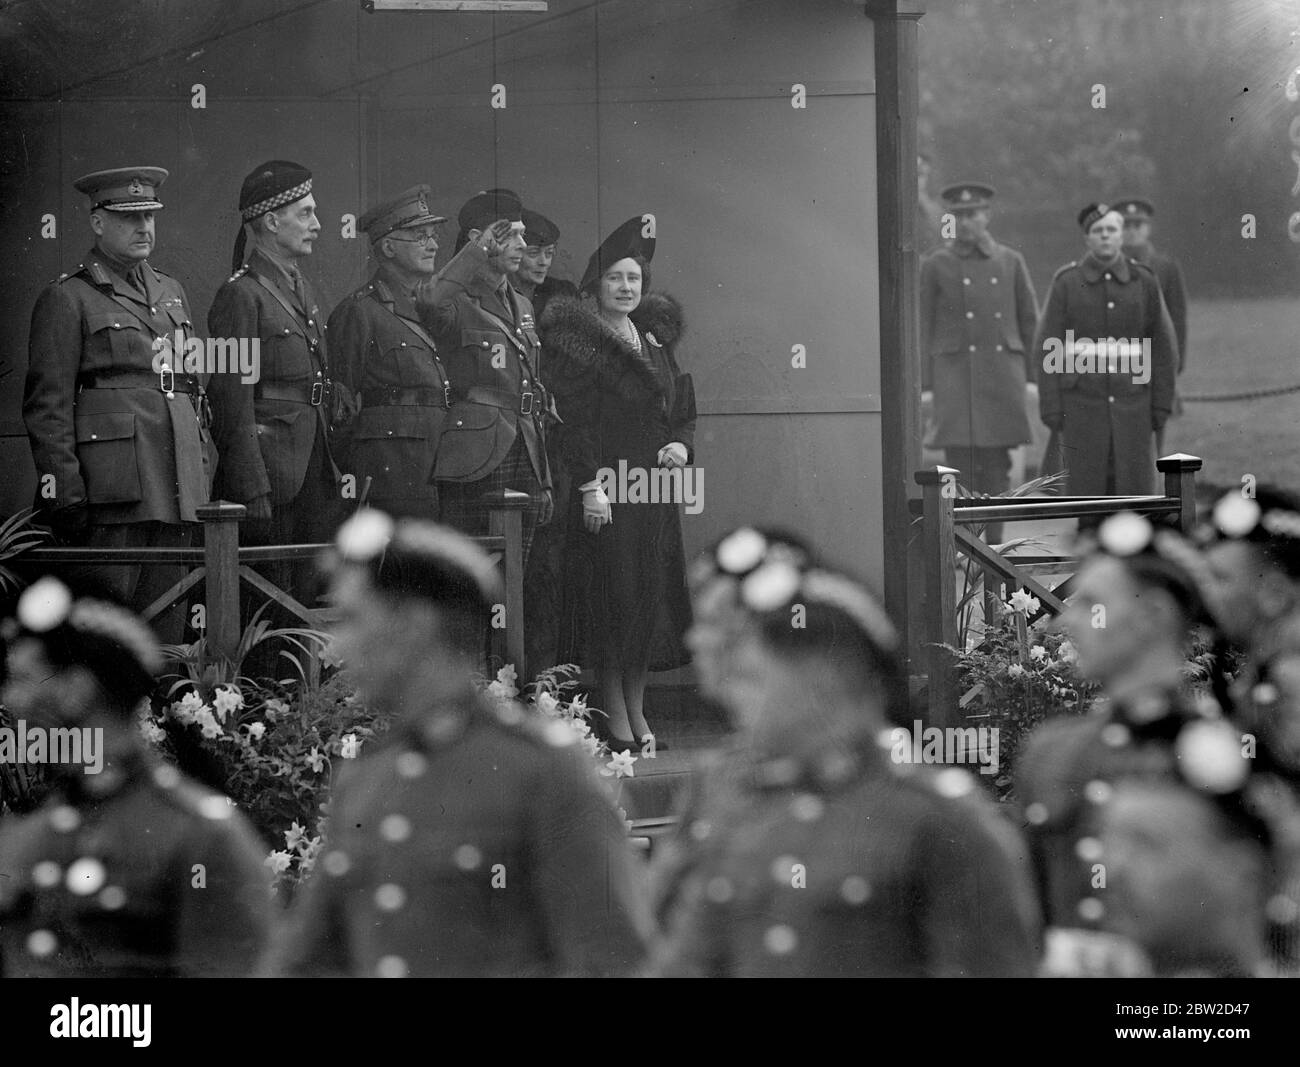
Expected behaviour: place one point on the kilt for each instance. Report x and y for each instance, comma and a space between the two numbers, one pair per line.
462, 507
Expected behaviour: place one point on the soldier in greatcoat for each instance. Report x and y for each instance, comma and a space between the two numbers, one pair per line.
117, 424
978, 315
388, 360
1138, 214
1100, 309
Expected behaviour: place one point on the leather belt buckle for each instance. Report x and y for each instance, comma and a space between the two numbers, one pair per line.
167, 380
526, 404
317, 394
446, 394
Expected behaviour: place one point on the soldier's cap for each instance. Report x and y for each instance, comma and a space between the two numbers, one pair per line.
486, 207
1134, 207
538, 229
415, 559
1089, 215
967, 196
272, 185
1270, 520
123, 188
105, 638
627, 241
409, 208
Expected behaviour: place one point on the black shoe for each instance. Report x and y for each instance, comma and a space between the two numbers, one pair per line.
618, 744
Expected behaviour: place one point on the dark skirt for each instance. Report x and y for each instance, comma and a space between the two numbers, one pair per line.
626, 605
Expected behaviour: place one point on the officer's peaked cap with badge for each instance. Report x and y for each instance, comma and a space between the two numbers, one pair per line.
626, 242
417, 559
1134, 207
538, 229
269, 187
123, 188
967, 196
487, 206
408, 209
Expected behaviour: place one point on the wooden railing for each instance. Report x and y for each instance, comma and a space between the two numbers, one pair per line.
945, 531
222, 565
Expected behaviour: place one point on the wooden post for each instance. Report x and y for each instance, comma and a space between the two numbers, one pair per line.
221, 562
938, 485
1180, 482
506, 519
896, 100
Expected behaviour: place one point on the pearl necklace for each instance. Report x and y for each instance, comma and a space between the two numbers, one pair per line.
630, 336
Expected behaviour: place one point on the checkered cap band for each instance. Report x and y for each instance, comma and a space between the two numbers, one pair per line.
279, 200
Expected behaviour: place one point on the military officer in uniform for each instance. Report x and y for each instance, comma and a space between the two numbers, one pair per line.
494, 437
1138, 214
978, 315
117, 425
273, 435
132, 871
534, 279
1107, 417
477, 842
389, 362
807, 850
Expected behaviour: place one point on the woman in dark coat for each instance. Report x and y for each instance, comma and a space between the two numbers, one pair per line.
625, 406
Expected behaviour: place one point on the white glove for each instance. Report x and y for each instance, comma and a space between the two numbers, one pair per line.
673, 454
595, 510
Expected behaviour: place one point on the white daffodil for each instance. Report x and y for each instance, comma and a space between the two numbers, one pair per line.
1023, 600
44, 605
225, 700
620, 765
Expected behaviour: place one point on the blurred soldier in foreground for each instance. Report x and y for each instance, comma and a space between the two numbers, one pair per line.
1136, 601
807, 851
391, 364
1137, 245
476, 843
273, 433
978, 315
117, 427
494, 437
1109, 358
132, 871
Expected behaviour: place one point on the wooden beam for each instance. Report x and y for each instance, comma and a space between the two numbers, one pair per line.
221, 563
995, 564
899, 283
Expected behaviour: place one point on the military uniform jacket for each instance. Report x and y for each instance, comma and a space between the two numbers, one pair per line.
1173, 288
265, 432
978, 315
1108, 417
491, 351
106, 428
477, 843
1065, 773
828, 868
106, 884
388, 360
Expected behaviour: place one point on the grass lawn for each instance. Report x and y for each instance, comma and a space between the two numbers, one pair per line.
1234, 346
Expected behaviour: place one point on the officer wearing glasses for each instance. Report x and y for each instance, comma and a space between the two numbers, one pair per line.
391, 363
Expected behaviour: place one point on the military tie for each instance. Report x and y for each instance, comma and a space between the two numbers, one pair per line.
300, 291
